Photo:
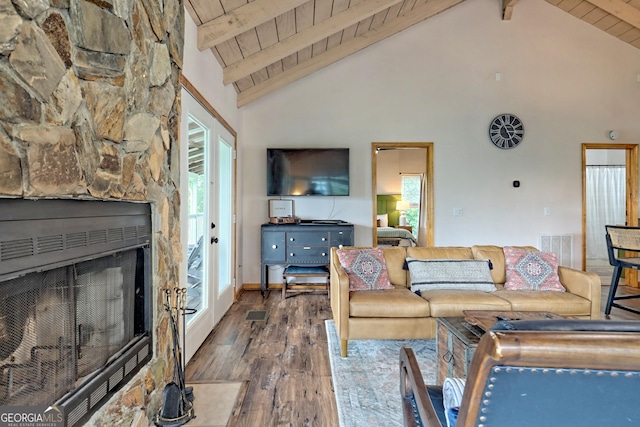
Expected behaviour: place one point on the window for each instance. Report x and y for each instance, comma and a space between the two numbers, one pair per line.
411, 191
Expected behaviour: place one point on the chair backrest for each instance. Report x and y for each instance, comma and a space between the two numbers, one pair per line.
621, 237
554, 373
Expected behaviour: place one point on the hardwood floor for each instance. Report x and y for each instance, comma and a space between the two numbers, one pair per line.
616, 313
284, 360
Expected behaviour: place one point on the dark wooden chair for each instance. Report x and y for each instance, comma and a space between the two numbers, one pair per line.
620, 240
538, 373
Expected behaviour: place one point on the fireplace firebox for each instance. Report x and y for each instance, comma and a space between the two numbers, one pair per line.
75, 302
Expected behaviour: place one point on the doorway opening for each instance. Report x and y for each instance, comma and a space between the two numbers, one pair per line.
410, 160
609, 197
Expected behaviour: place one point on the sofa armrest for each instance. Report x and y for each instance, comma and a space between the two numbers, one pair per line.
339, 294
583, 284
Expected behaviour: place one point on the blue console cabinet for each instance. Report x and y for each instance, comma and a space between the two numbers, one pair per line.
305, 244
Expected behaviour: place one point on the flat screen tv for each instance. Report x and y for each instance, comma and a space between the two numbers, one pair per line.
307, 171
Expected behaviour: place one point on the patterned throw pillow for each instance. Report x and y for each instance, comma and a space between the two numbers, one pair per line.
531, 270
367, 269
459, 274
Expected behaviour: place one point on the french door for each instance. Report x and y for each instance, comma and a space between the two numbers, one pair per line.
207, 219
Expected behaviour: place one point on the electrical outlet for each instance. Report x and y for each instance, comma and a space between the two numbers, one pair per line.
457, 211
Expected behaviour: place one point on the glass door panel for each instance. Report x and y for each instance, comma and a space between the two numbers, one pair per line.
196, 202
225, 250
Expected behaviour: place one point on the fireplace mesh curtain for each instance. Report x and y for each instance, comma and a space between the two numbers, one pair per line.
60, 325
36, 363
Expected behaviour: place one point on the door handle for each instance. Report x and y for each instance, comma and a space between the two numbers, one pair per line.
214, 240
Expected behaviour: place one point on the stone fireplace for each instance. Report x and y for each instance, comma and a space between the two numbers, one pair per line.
89, 112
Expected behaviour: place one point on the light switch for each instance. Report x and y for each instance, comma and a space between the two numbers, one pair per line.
547, 211
457, 211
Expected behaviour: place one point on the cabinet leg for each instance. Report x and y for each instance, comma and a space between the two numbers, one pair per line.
264, 279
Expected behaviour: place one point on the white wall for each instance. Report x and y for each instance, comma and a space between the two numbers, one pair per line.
388, 177
570, 83
203, 71
392, 163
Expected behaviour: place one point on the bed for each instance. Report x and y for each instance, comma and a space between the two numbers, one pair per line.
391, 236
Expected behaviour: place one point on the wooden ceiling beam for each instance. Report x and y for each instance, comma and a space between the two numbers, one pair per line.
620, 10
507, 9
418, 14
307, 37
242, 19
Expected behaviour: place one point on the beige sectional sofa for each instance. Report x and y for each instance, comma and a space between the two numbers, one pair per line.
402, 314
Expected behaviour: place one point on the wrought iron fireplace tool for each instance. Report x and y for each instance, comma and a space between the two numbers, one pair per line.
177, 398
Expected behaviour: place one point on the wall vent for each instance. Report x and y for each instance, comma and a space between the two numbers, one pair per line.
11, 249
559, 244
48, 244
78, 412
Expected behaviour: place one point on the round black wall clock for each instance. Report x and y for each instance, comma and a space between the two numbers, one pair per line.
506, 131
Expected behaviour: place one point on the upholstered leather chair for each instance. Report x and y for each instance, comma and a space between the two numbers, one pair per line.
538, 373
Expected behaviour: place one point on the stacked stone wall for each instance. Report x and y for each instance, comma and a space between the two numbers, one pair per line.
89, 109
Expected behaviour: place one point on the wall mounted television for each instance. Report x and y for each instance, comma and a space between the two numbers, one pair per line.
307, 171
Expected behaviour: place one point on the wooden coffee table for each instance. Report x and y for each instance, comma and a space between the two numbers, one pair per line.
457, 337
485, 319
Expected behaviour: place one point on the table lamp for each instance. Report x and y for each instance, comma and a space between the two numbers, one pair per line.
402, 205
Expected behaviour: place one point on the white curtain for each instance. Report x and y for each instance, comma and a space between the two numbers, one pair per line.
606, 188
422, 215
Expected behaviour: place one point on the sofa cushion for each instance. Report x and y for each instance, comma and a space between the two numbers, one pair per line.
442, 252
395, 257
496, 255
366, 268
461, 274
531, 270
563, 303
399, 302
451, 303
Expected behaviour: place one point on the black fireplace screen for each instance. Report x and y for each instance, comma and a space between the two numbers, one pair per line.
75, 302
58, 326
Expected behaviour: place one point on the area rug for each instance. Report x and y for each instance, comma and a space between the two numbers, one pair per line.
215, 402
367, 382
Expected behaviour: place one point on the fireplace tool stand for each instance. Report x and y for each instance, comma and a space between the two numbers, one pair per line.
177, 398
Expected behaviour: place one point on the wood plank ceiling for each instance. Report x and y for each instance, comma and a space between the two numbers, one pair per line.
263, 45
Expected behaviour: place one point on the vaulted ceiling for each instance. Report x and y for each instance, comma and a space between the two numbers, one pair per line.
263, 45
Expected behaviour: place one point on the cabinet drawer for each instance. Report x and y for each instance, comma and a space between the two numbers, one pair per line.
341, 238
308, 254
273, 247
305, 238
